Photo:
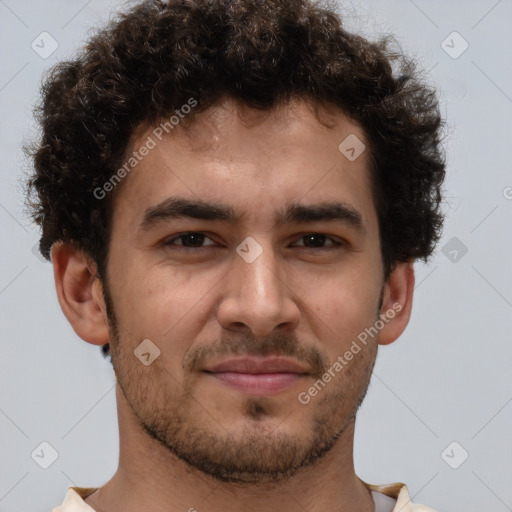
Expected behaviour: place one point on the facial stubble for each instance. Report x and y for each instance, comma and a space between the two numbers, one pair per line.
261, 452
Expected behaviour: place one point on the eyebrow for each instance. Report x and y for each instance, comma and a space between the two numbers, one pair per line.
176, 208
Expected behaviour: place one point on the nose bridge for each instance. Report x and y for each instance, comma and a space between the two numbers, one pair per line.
260, 274
256, 295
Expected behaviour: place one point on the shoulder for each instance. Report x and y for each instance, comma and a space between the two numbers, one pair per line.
400, 492
74, 500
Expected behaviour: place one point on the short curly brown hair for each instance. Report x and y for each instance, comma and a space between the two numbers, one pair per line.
151, 59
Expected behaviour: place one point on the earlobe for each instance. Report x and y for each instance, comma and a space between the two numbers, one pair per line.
397, 302
78, 291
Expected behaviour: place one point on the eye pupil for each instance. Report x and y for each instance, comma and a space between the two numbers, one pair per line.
311, 238
197, 239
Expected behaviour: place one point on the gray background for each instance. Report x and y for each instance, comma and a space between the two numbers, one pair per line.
447, 379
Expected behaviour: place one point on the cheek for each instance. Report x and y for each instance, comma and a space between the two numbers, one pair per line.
340, 306
161, 302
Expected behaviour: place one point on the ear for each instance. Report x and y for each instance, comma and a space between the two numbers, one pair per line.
397, 302
79, 293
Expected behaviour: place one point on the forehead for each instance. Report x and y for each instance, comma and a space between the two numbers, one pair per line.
256, 162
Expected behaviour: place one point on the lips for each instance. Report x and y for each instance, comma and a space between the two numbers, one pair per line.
253, 365
258, 376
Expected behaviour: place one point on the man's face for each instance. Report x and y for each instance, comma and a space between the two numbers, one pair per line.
314, 286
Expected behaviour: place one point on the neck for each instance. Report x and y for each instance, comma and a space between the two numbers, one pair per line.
149, 477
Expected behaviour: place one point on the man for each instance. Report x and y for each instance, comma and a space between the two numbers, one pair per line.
233, 194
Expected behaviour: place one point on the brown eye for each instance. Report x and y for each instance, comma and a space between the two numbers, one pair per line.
317, 241
191, 239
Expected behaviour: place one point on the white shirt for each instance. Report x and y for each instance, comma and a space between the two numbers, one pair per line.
387, 498
382, 503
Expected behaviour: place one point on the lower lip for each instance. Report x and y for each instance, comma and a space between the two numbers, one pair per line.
258, 384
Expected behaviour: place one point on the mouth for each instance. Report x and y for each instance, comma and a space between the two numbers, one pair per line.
258, 376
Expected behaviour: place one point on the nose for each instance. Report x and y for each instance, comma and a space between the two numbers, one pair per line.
257, 296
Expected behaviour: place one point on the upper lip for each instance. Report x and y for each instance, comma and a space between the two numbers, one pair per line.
258, 365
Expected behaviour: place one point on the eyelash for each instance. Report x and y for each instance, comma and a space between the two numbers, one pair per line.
169, 242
